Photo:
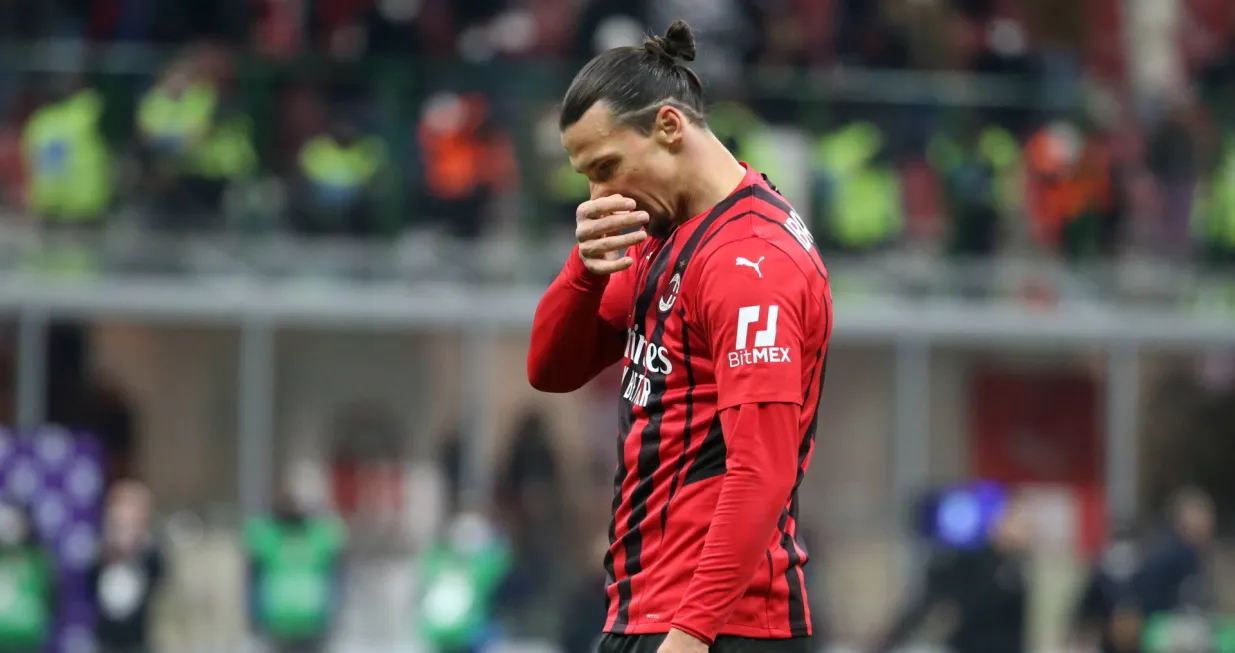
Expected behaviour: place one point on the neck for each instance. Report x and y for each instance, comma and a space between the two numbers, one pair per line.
716, 174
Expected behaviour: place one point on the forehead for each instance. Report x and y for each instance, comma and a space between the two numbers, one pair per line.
593, 137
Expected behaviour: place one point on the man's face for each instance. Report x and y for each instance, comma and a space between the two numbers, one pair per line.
177, 81
343, 131
1196, 521
128, 512
620, 160
1014, 528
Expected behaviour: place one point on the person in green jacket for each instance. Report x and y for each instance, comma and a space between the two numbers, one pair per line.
340, 172
460, 577
194, 147
68, 165
27, 584
295, 561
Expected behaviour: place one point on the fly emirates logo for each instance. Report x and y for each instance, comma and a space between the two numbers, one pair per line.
763, 349
646, 358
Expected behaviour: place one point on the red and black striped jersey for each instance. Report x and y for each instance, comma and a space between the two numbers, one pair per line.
722, 329
732, 308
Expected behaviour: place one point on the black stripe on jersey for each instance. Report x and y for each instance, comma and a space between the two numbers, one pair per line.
772, 197
710, 461
793, 577
690, 413
619, 476
717, 231
649, 439
815, 260
798, 625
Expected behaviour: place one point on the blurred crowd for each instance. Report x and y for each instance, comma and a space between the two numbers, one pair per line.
374, 119
92, 565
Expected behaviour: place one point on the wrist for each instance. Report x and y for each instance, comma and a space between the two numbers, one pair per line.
582, 277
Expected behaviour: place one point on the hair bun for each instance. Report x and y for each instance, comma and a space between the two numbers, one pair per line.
677, 43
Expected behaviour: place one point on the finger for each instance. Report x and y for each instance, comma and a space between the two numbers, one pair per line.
602, 266
589, 229
603, 206
595, 249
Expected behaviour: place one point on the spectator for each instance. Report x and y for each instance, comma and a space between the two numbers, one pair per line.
28, 581
193, 149
1068, 189
295, 564
68, 167
986, 588
1214, 209
124, 579
560, 187
1173, 575
584, 612
979, 172
530, 489
461, 577
1173, 160
340, 176
857, 190
1108, 614
468, 162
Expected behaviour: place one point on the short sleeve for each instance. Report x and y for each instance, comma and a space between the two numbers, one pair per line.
752, 302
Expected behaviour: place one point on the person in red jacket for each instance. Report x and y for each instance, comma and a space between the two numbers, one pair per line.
694, 272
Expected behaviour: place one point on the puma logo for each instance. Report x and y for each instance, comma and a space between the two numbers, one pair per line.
745, 262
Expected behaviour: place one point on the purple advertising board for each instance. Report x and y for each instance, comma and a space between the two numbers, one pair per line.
58, 474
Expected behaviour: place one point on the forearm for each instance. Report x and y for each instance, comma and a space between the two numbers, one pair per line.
761, 470
571, 342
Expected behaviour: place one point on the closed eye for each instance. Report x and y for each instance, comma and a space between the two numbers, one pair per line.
604, 171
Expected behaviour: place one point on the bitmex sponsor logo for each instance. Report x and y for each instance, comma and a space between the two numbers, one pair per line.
646, 359
764, 349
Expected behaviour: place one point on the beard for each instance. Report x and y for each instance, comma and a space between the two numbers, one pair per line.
659, 227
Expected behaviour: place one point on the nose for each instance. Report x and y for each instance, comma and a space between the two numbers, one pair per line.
599, 190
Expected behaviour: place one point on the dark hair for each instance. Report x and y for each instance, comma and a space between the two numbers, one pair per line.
636, 81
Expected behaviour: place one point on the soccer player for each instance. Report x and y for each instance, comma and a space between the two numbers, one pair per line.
696, 273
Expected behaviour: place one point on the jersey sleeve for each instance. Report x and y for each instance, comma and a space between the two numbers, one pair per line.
752, 301
577, 331
619, 297
761, 459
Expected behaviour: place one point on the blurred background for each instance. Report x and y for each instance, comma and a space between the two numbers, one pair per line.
267, 269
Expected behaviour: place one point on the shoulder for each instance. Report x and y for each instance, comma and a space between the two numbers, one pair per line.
754, 271
752, 257
761, 254
764, 215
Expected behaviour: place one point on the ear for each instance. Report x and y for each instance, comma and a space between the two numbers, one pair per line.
670, 126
